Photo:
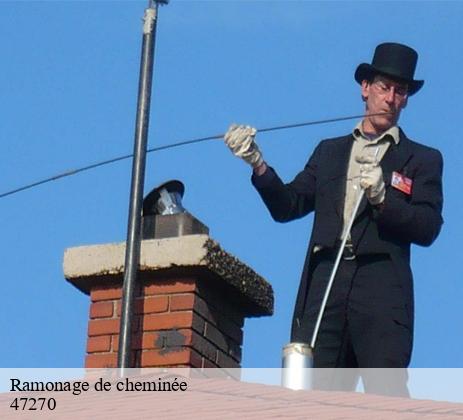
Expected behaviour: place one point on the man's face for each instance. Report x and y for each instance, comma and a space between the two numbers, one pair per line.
383, 95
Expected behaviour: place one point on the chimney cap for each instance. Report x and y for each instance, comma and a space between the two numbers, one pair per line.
151, 200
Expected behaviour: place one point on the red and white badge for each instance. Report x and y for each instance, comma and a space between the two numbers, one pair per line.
402, 183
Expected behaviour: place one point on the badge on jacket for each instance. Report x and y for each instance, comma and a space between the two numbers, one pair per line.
402, 183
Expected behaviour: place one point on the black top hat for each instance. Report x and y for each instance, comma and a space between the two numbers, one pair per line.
396, 61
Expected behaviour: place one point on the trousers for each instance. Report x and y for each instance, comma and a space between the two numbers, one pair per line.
361, 332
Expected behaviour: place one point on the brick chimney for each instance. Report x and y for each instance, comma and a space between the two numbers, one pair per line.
191, 301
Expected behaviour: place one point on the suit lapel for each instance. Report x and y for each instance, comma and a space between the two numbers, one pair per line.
396, 158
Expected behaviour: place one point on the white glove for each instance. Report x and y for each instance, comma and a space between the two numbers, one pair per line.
371, 179
241, 141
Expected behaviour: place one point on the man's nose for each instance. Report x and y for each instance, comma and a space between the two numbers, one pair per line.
390, 95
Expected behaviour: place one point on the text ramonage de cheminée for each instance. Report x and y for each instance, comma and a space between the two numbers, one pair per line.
77, 387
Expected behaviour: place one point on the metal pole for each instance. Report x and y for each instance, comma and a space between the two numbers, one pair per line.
132, 253
335, 269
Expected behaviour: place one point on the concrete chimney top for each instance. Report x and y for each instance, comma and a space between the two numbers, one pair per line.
172, 255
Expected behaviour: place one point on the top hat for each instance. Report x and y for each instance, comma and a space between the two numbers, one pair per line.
393, 60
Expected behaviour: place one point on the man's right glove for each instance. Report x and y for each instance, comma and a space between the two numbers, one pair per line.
371, 179
241, 141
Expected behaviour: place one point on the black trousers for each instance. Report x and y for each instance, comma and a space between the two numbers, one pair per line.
364, 326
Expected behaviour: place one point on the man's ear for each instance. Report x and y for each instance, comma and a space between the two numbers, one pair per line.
365, 89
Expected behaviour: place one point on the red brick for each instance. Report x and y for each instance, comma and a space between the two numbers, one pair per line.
225, 361
216, 336
148, 341
157, 340
188, 334
145, 341
106, 293
208, 364
196, 359
219, 319
103, 360
163, 358
159, 287
180, 302
222, 341
198, 324
147, 305
174, 357
234, 351
155, 304
103, 326
168, 321
101, 309
174, 338
205, 348
99, 344
219, 301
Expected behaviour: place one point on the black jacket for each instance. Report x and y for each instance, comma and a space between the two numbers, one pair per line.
404, 219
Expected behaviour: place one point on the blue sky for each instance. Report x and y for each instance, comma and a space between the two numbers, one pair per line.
69, 79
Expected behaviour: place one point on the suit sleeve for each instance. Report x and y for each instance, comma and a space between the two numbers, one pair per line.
418, 220
290, 201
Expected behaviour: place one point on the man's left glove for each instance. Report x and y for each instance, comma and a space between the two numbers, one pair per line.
371, 179
241, 141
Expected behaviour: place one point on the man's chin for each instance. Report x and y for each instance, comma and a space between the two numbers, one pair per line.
384, 123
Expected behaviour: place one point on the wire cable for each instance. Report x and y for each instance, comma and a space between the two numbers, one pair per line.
171, 146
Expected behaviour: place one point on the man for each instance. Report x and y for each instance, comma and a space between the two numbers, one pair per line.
368, 321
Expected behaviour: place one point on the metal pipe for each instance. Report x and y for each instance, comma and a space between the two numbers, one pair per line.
133, 244
296, 365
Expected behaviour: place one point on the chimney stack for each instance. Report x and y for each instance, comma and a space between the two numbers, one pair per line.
191, 301
191, 296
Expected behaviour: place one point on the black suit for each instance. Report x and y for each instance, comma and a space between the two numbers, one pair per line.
381, 238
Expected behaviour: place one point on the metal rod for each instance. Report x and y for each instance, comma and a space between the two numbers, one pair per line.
133, 244
336, 265
334, 270
170, 146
